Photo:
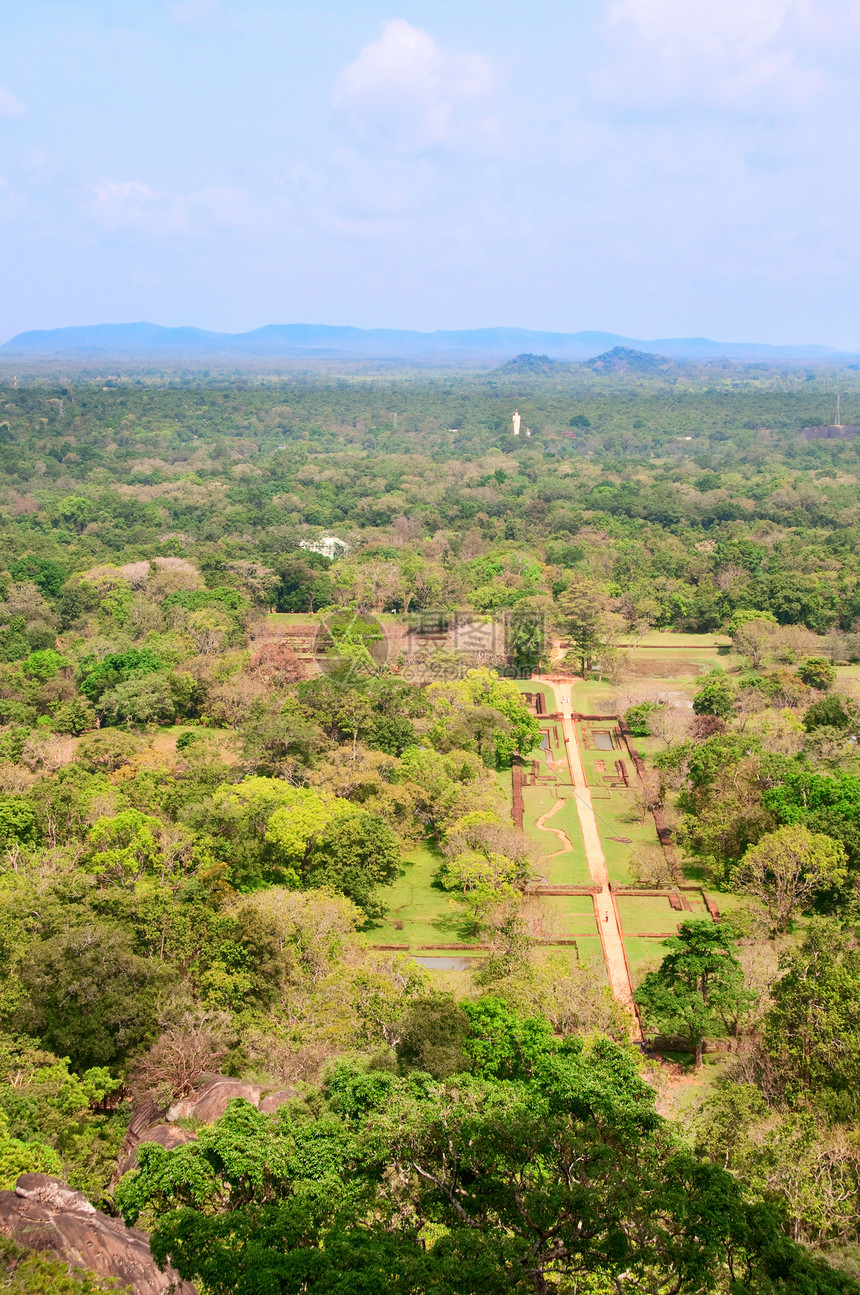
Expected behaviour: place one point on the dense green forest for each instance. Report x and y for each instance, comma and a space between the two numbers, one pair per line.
686, 500
200, 824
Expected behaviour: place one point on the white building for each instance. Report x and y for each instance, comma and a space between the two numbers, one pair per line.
329, 546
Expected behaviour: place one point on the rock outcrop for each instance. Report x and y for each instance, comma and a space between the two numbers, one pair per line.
167, 1135
623, 359
45, 1214
206, 1105
209, 1102
274, 1101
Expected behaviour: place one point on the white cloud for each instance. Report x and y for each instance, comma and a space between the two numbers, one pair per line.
9, 105
13, 203
718, 50
195, 13
131, 205
405, 94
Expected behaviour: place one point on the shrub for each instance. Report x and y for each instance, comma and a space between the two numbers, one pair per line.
637, 717
817, 672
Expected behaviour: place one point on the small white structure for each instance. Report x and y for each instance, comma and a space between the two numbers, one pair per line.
516, 420
329, 546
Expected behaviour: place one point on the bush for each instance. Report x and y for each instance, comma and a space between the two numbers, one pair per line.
433, 1036
834, 711
637, 718
89, 997
76, 716
107, 750
715, 698
817, 672
149, 700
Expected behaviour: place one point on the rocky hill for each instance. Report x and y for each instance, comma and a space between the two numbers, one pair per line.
623, 359
536, 364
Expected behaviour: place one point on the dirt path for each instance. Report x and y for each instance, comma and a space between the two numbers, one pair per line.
604, 904
566, 843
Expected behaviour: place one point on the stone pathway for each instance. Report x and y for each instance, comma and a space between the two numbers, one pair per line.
605, 909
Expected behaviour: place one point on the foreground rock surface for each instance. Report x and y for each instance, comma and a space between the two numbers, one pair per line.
46, 1215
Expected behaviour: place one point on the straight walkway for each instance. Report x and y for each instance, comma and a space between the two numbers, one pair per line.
604, 903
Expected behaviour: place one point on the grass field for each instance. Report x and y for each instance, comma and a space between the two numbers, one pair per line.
643, 914
674, 639
291, 618
566, 915
642, 955
429, 914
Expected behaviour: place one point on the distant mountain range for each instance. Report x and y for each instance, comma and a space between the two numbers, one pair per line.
323, 341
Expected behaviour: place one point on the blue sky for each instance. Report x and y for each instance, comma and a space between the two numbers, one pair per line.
651, 167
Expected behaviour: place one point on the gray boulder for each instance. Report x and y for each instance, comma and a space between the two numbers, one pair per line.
274, 1101
166, 1135
45, 1214
206, 1105
209, 1102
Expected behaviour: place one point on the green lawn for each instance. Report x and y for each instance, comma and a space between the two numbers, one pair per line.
641, 913
593, 697
671, 638
428, 913
643, 955
568, 869
565, 915
564, 869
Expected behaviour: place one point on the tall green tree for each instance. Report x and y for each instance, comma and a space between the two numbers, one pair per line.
563, 1179
788, 868
583, 607
811, 1029
698, 989
355, 855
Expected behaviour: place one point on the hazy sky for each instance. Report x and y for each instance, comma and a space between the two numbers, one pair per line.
651, 167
